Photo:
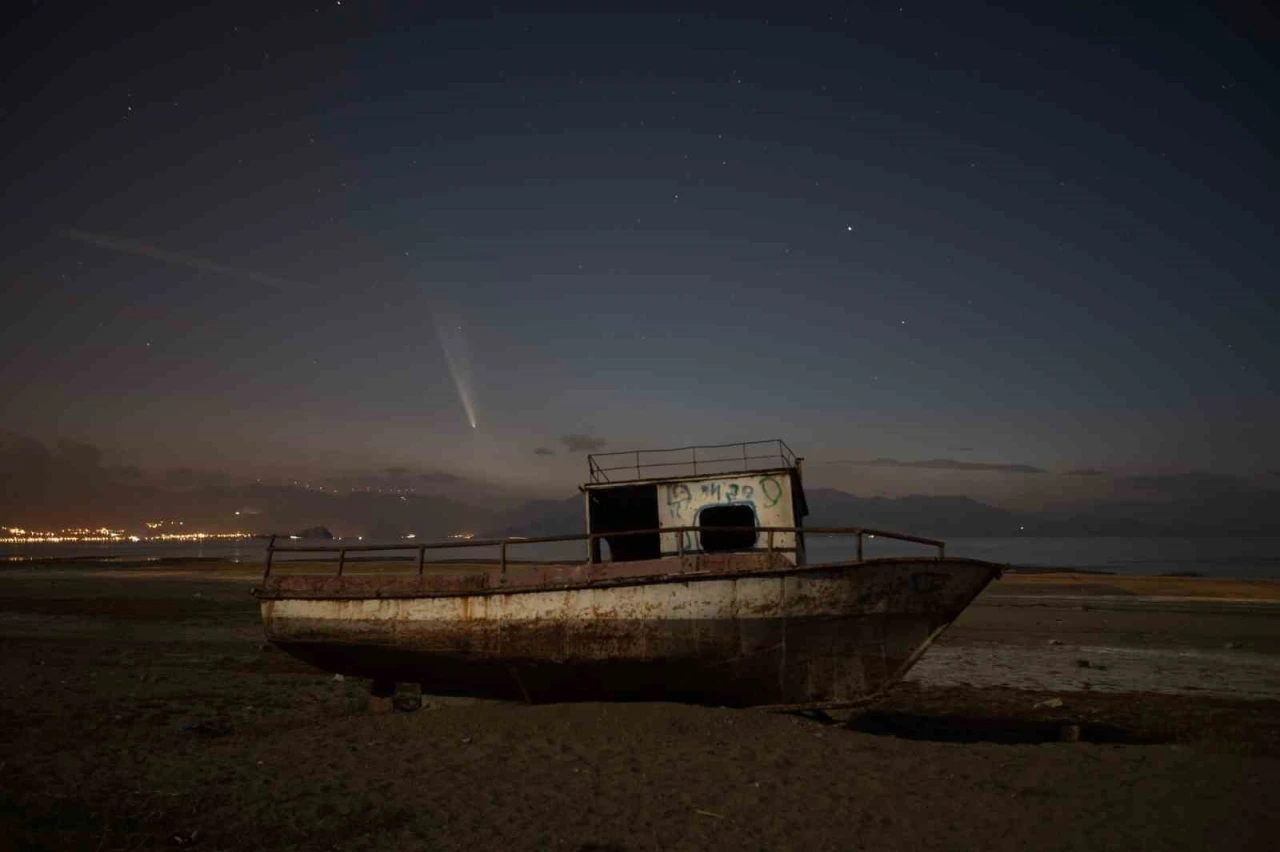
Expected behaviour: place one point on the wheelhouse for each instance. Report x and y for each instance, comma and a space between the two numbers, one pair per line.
715, 498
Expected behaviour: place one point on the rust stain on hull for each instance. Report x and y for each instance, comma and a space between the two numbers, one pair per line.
724, 633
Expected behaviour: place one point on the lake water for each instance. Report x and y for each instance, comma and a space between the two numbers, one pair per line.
1212, 557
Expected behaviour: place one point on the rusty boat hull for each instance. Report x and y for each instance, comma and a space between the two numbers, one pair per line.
740, 631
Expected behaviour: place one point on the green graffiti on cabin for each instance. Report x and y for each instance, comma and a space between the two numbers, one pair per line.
678, 497
771, 488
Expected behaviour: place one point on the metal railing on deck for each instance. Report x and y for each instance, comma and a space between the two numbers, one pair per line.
723, 458
592, 541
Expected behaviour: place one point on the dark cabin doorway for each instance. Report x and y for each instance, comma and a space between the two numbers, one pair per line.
719, 541
623, 508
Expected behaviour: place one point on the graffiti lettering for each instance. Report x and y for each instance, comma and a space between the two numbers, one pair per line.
771, 489
678, 497
685, 501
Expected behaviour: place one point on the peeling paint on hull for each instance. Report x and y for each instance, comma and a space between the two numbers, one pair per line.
818, 636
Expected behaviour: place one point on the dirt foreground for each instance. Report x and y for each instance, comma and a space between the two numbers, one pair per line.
142, 710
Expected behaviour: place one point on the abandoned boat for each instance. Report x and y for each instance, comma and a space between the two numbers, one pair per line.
705, 595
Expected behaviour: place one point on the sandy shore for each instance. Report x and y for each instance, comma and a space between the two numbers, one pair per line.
142, 710
1078, 632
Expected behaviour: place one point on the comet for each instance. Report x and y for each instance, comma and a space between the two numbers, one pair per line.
449, 331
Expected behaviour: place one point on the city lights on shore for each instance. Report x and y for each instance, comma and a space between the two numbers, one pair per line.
196, 536
99, 535
19, 535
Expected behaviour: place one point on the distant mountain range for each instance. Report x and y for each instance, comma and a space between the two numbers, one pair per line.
284, 508
1246, 514
1250, 513
68, 484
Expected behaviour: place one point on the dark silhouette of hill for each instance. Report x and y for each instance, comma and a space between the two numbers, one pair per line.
927, 516
542, 518
69, 483
1242, 513
359, 513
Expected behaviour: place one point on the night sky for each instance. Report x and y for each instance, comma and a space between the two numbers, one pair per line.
1012, 245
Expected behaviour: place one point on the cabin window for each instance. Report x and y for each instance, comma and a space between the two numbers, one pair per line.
623, 508
714, 541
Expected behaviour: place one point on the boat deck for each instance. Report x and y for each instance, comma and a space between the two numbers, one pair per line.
392, 571
481, 578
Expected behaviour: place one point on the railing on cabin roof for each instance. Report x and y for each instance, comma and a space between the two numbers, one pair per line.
725, 458
590, 539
